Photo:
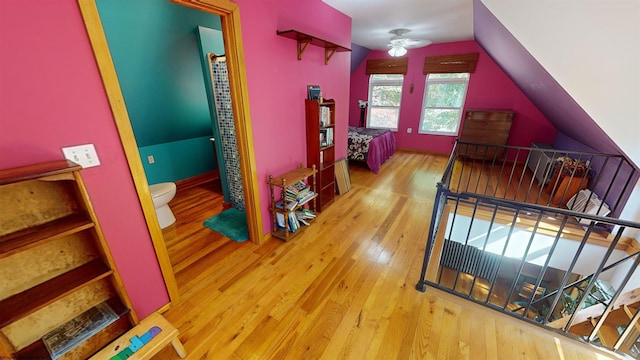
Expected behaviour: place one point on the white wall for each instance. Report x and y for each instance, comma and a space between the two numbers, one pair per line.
573, 40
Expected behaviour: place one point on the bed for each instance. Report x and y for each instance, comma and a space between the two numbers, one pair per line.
372, 146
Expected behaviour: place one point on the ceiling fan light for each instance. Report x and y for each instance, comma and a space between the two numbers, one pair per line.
396, 51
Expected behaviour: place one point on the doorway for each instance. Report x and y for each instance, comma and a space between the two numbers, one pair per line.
230, 22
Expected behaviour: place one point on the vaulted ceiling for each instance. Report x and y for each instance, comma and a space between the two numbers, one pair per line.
448, 21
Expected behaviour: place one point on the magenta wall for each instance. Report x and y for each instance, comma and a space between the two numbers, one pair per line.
51, 96
489, 88
277, 81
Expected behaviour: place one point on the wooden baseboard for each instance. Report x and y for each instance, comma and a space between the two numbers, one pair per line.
198, 180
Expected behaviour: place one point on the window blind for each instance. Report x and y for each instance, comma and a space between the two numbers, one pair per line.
387, 66
446, 64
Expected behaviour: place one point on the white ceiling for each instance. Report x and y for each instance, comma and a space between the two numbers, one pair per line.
436, 20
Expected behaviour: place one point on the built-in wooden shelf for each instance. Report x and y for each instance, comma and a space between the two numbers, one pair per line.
30, 237
304, 40
36, 171
53, 255
37, 297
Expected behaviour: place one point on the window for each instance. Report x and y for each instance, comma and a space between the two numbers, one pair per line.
385, 92
444, 97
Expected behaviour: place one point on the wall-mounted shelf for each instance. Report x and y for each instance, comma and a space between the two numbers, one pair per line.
304, 40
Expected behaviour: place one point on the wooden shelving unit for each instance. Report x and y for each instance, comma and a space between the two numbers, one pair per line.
54, 261
26, 238
321, 154
304, 40
282, 181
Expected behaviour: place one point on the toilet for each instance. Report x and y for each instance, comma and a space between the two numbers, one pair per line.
161, 194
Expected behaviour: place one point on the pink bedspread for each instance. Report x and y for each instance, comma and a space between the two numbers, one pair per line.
371, 145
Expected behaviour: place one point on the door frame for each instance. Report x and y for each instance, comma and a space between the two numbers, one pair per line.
231, 32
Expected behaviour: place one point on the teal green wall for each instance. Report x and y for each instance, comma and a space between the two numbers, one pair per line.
155, 51
168, 167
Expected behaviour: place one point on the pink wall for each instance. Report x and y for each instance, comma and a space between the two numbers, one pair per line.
51, 96
489, 88
277, 81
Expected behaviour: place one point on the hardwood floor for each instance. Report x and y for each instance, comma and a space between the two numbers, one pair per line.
344, 289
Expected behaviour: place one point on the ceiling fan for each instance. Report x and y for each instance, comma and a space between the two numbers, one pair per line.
399, 42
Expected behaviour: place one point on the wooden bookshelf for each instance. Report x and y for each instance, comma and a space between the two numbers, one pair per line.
282, 182
321, 154
54, 261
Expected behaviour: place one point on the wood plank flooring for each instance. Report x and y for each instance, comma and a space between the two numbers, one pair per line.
344, 289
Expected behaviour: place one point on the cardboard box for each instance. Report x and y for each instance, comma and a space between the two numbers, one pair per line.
343, 178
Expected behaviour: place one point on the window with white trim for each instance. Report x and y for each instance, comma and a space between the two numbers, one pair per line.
385, 92
444, 97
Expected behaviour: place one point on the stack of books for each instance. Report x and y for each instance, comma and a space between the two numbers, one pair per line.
298, 192
296, 196
305, 215
292, 221
295, 219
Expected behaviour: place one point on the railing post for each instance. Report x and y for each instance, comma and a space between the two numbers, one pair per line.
435, 217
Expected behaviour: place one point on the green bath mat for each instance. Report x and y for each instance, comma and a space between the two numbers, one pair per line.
231, 223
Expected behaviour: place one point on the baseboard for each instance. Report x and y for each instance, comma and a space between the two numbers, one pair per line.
197, 180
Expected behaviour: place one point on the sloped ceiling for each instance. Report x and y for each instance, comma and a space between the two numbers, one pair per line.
544, 91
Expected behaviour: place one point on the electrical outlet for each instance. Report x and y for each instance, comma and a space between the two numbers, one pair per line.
150, 159
84, 155
409, 130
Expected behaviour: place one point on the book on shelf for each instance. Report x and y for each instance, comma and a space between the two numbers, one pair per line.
308, 196
292, 221
301, 200
313, 92
325, 116
298, 192
305, 214
297, 187
326, 137
291, 204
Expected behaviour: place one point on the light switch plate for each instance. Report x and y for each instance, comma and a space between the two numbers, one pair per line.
84, 155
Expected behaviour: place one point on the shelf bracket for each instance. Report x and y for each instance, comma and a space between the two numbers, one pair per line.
328, 53
302, 46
